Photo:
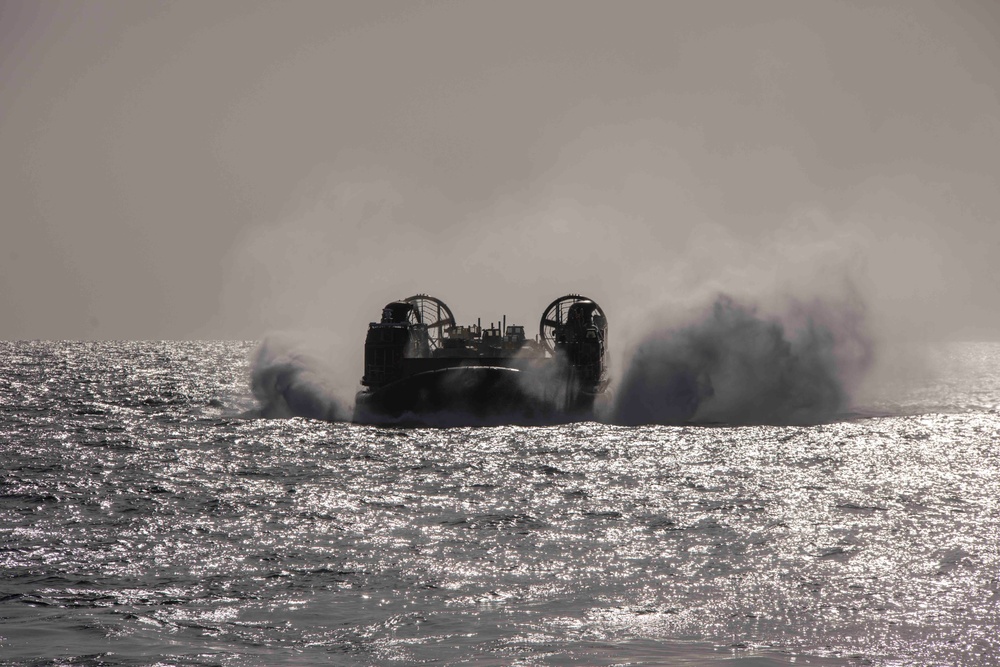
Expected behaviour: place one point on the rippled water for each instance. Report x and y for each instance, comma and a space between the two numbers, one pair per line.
144, 520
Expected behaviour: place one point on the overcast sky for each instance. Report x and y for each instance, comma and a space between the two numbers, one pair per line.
224, 169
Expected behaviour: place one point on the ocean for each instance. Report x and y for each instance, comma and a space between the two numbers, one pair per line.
147, 516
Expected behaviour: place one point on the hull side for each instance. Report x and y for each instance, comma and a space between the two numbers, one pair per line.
472, 395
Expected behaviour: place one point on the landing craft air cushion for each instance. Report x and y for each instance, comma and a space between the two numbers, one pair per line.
422, 367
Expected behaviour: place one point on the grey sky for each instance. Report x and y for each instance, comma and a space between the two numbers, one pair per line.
222, 169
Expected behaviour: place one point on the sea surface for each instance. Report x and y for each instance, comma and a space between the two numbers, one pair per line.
148, 517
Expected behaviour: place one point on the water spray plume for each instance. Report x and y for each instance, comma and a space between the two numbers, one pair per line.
290, 381
732, 365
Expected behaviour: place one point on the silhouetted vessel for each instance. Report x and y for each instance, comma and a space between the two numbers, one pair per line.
421, 367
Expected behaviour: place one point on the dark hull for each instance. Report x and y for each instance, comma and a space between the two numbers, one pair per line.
473, 395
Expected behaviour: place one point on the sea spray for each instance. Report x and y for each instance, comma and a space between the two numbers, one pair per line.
733, 365
291, 380
730, 364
